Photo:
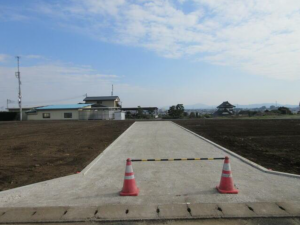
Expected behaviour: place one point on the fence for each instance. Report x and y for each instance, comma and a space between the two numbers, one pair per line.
96, 114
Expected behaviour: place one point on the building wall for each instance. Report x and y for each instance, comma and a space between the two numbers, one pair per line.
54, 115
119, 116
105, 103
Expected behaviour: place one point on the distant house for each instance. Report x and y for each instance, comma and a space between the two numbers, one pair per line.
56, 112
225, 109
103, 101
95, 108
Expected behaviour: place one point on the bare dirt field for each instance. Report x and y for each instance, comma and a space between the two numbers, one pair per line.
33, 151
274, 144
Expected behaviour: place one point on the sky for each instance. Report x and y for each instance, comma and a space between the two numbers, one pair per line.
154, 52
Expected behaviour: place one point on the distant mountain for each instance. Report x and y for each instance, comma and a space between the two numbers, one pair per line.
250, 106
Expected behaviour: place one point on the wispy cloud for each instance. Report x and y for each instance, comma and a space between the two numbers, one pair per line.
56, 73
50, 82
261, 37
33, 57
12, 14
4, 58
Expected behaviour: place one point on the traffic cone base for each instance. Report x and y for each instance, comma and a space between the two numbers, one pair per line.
129, 186
226, 184
232, 191
135, 193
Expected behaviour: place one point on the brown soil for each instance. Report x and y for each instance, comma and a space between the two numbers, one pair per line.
274, 144
31, 152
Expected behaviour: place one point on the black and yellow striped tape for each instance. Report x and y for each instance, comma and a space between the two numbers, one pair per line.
180, 159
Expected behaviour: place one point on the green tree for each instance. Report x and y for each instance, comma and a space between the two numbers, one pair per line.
192, 115
140, 113
151, 112
285, 110
176, 111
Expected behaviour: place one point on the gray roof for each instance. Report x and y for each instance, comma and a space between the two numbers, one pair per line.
101, 98
226, 105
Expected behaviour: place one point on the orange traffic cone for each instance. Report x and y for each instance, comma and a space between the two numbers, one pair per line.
226, 184
129, 186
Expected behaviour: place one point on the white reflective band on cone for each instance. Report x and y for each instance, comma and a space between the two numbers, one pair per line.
129, 169
129, 177
226, 167
226, 175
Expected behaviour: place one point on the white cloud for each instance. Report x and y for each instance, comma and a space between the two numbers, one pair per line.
12, 14
4, 58
33, 57
57, 83
261, 37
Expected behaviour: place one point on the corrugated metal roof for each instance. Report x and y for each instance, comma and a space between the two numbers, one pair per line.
71, 106
100, 98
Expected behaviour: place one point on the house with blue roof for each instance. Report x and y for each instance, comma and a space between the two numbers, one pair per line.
95, 108
57, 112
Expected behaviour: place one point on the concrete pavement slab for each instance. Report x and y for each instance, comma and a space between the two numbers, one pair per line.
48, 214
123, 212
79, 214
240, 210
252, 221
174, 211
267, 209
17, 215
205, 210
292, 208
143, 212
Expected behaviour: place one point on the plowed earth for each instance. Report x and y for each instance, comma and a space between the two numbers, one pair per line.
34, 151
274, 144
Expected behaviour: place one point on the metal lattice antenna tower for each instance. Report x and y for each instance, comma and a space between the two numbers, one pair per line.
112, 90
18, 75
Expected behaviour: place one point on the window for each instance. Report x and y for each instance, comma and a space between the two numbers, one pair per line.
67, 115
99, 102
46, 115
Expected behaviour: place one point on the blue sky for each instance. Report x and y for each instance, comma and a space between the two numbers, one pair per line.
156, 53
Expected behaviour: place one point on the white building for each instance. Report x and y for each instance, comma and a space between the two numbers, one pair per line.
75, 112
56, 112
95, 108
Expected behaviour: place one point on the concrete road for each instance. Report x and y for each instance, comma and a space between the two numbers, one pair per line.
159, 182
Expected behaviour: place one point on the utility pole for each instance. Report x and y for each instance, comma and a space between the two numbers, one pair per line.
112, 90
18, 75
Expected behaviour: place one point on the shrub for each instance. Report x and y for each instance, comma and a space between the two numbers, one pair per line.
8, 116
